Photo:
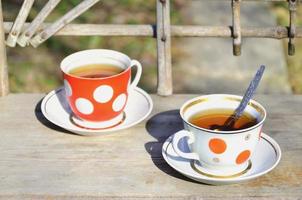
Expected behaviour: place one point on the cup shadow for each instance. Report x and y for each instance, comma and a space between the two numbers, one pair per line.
42, 119
161, 126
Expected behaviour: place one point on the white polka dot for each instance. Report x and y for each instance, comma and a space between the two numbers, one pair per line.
84, 106
103, 93
119, 102
67, 87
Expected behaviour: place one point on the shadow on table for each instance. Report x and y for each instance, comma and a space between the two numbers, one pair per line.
161, 126
40, 117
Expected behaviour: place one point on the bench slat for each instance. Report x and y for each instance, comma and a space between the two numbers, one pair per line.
44, 162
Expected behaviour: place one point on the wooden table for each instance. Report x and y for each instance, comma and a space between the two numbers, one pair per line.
40, 160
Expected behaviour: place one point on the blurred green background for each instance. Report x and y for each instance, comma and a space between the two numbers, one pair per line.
37, 70
294, 63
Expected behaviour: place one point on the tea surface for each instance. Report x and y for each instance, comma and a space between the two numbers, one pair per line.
96, 71
207, 119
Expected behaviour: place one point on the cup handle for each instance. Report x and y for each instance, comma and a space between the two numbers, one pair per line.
138, 73
179, 135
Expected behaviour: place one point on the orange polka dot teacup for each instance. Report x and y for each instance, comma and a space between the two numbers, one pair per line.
98, 102
219, 153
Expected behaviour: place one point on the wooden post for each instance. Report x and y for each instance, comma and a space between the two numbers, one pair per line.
19, 22
236, 27
163, 31
63, 21
36, 23
4, 89
292, 26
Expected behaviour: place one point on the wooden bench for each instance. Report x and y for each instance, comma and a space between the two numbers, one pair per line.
41, 160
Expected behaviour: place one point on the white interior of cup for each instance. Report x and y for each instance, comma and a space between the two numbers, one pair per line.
220, 101
95, 56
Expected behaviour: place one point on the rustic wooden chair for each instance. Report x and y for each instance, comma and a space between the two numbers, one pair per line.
37, 32
39, 162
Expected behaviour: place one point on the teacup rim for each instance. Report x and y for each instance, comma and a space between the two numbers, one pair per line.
95, 50
222, 132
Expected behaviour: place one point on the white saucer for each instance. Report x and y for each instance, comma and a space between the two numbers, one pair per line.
56, 109
265, 158
98, 125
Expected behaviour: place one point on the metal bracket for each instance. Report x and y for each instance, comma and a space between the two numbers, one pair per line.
292, 26
236, 27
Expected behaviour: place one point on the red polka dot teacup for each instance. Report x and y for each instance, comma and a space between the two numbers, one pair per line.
218, 153
99, 102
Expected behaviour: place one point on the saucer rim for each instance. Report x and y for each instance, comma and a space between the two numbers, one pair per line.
86, 132
205, 179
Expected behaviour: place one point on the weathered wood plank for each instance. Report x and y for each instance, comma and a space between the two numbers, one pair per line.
145, 30
292, 6
4, 87
63, 21
164, 65
96, 29
236, 27
45, 163
36, 23
19, 22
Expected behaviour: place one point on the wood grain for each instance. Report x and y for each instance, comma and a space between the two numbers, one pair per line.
236, 27
292, 6
61, 22
147, 30
164, 64
19, 22
36, 23
40, 161
4, 87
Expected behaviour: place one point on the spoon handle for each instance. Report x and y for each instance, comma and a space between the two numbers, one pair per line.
249, 92
246, 98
